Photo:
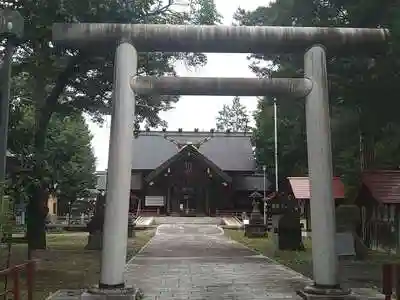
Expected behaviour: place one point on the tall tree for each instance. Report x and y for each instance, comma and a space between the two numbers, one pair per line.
233, 117
356, 82
61, 80
68, 151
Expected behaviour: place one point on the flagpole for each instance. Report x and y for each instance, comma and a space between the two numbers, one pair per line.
276, 144
265, 194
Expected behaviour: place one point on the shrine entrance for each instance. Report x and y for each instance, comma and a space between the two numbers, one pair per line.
192, 184
190, 201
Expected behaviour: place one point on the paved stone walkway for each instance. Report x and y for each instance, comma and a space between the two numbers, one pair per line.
198, 262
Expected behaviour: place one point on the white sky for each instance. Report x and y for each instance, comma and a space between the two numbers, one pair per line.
195, 111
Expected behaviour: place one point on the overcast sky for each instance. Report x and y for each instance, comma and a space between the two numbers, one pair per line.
195, 111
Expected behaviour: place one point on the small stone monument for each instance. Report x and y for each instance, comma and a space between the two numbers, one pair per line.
289, 232
286, 223
256, 227
348, 243
95, 226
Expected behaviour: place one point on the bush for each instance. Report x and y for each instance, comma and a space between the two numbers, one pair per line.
6, 219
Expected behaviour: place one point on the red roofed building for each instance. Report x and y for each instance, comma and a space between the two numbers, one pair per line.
379, 199
299, 189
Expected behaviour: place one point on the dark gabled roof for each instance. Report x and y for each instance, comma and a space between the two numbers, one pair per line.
184, 150
251, 183
229, 151
301, 187
384, 185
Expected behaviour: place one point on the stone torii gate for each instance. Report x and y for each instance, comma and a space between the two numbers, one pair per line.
128, 39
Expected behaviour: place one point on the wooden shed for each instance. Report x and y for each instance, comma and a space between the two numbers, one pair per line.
379, 200
298, 189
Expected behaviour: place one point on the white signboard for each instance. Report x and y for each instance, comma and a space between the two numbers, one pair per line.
154, 201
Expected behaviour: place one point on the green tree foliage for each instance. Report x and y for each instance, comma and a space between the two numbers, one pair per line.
363, 89
68, 153
233, 117
59, 80
72, 157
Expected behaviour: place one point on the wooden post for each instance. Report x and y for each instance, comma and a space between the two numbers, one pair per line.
397, 276
397, 229
30, 271
387, 281
16, 291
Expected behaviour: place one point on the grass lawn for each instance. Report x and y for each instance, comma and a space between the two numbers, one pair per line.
353, 273
297, 260
66, 264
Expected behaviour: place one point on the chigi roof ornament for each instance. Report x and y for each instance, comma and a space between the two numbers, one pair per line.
181, 145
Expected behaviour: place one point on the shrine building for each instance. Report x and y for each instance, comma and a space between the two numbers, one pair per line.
192, 173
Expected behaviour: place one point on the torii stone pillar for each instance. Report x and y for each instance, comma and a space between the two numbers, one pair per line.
222, 39
115, 230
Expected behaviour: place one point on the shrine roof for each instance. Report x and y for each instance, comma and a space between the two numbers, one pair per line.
230, 151
186, 150
384, 185
301, 187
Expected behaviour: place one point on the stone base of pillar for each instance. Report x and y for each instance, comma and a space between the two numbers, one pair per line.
315, 292
117, 294
98, 294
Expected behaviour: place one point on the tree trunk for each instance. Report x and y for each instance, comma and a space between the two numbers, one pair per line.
36, 213
367, 151
37, 207
45, 106
367, 140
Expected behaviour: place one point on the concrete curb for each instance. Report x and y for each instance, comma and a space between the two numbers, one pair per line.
141, 249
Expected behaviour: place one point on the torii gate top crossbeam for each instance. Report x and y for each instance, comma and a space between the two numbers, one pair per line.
217, 39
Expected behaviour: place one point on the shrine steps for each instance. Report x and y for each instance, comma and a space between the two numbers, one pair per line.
232, 222
188, 220
144, 221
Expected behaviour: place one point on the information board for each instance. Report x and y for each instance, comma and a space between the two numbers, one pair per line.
154, 201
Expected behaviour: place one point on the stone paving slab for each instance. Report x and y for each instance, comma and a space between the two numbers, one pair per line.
198, 262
